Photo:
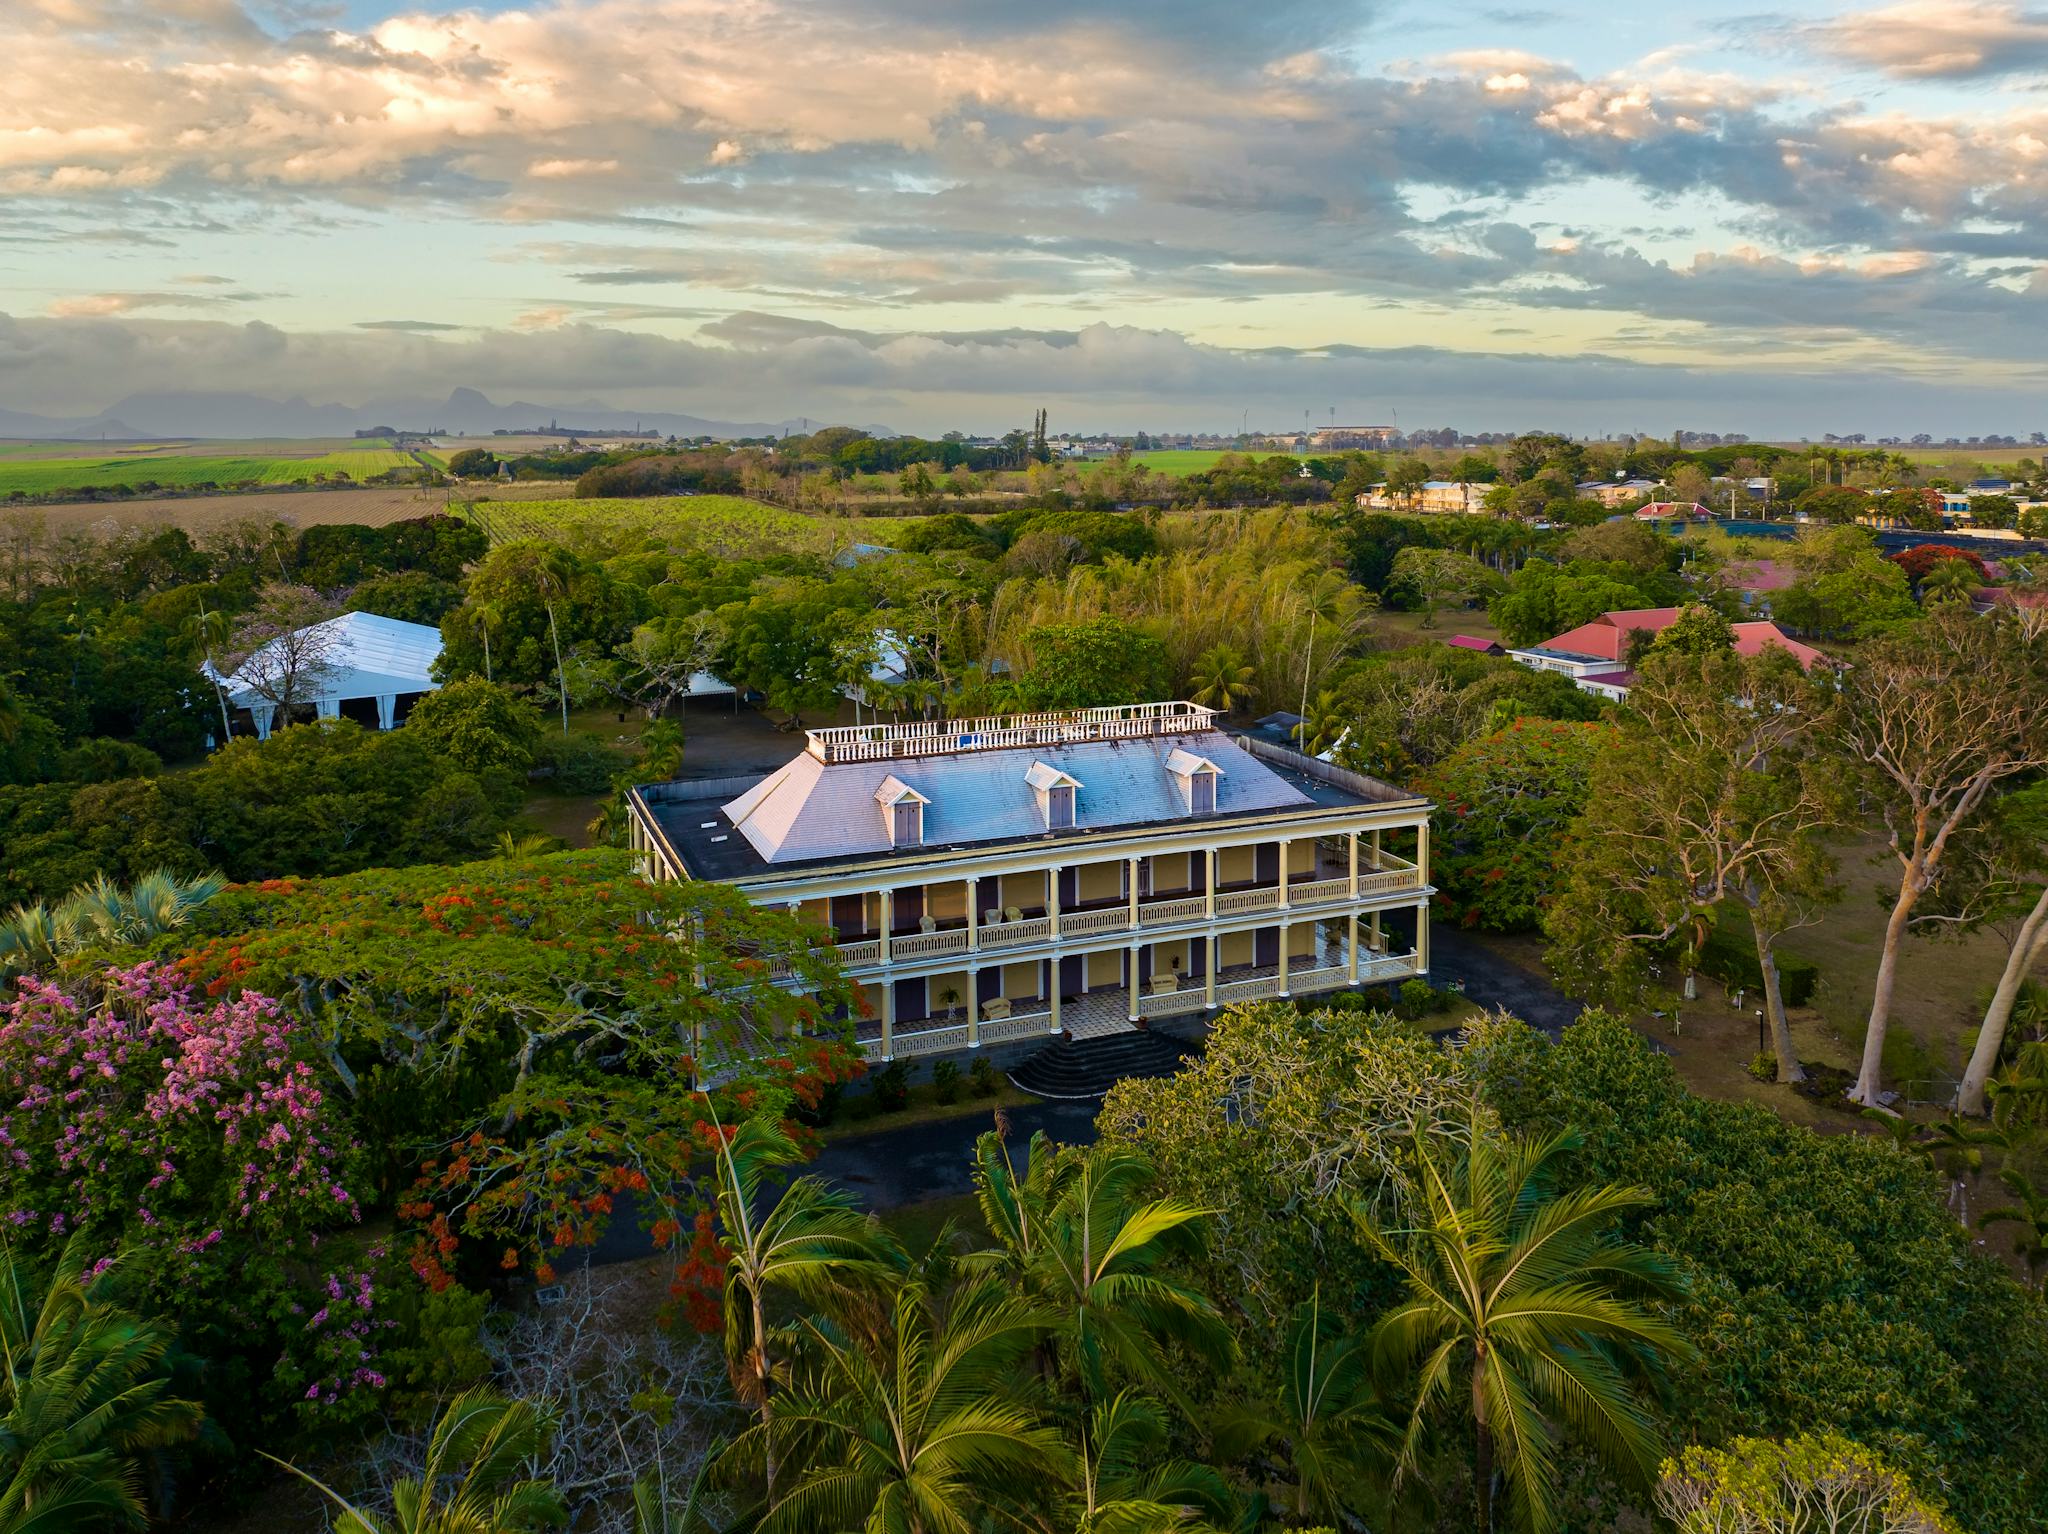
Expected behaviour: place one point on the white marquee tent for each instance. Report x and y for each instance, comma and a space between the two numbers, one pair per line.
356, 656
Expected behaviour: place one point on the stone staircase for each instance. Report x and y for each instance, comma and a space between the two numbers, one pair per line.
1083, 1070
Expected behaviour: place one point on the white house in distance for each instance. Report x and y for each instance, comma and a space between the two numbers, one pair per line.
378, 664
994, 881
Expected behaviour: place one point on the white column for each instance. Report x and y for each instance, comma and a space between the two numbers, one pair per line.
1352, 839
1375, 932
1376, 849
1422, 853
1132, 988
888, 920
888, 1019
1286, 849
973, 1007
1351, 945
973, 919
387, 710
1286, 942
1422, 938
1131, 873
1054, 996
1212, 862
1052, 909
1209, 978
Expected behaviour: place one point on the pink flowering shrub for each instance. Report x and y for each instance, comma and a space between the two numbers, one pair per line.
149, 1115
330, 1341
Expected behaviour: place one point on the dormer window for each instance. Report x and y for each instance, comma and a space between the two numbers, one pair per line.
902, 812
1197, 777
1057, 795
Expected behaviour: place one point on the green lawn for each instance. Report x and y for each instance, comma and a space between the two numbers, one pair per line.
1181, 461
39, 474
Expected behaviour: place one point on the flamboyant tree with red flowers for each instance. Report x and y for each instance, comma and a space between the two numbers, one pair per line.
527, 1045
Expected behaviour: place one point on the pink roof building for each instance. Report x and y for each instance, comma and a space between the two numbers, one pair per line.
1668, 511
1607, 636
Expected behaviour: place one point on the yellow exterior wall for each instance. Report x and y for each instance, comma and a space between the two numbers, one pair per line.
1237, 949
1023, 890
1105, 968
1301, 940
946, 902
1020, 980
1100, 881
1301, 855
938, 985
1163, 955
1239, 865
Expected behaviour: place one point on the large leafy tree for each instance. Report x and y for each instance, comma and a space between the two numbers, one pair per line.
85, 1400
548, 1018
1815, 1481
1520, 1306
1717, 792
1098, 661
1935, 718
1509, 798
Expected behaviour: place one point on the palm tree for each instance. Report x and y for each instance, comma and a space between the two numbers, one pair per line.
914, 1428
1957, 1147
532, 845
1951, 580
1222, 679
83, 1400
810, 1241
1125, 1484
654, 1513
1513, 1283
1327, 1419
101, 912
157, 903
1084, 1243
483, 1445
1902, 1132
2030, 1214
607, 828
661, 749
1324, 723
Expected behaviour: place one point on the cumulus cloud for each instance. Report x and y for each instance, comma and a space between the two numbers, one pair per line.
882, 160
1936, 39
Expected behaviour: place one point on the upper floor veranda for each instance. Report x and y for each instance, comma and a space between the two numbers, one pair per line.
929, 840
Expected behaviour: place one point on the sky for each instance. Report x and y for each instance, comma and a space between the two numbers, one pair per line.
935, 214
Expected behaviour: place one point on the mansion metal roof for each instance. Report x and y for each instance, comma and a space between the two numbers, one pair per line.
814, 810
810, 815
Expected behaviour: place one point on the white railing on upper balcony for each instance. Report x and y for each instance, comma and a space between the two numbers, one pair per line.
942, 737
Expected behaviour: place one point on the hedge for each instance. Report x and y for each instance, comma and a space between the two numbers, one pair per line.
1730, 957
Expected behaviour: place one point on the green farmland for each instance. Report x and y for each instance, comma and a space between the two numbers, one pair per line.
1181, 461
727, 525
32, 468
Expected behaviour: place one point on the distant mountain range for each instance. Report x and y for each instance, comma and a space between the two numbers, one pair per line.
465, 410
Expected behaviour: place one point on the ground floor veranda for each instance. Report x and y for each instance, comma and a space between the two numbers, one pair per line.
1113, 988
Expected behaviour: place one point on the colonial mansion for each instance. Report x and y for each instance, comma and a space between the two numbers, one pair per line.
994, 880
